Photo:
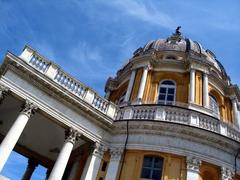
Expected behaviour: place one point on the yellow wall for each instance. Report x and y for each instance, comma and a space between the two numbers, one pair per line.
116, 94
136, 84
174, 167
198, 88
209, 172
224, 103
105, 159
154, 78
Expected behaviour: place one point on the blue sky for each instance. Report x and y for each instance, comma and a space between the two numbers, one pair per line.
91, 39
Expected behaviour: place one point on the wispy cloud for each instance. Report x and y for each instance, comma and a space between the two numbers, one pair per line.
146, 12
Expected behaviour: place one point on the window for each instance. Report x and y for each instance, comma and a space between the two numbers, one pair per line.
167, 92
213, 104
152, 168
121, 99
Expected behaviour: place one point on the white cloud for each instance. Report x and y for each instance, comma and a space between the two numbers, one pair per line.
145, 12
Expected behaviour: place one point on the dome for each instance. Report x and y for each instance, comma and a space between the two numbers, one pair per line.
178, 43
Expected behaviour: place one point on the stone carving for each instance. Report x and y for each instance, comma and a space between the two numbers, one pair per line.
99, 149
3, 92
29, 108
72, 135
116, 154
226, 174
193, 164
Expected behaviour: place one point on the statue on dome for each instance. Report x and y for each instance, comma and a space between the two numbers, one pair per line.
177, 32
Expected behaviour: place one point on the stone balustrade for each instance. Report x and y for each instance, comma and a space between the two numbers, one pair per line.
178, 115
55, 73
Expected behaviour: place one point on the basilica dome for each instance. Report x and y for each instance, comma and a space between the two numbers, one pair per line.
178, 43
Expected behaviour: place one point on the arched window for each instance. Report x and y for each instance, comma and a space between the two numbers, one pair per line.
167, 91
152, 167
213, 104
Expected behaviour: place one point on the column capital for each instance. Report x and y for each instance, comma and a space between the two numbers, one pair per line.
28, 108
72, 135
226, 174
99, 149
193, 164
3, 91
116, 153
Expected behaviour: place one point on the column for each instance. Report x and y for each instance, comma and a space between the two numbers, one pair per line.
93, 163
192, 87
130, 85
142, 84
116, 155
193, 165
226, 174
32, 164
74, 169
235, 112
205, 91
71, 136
48, 173
3, 92
15, 131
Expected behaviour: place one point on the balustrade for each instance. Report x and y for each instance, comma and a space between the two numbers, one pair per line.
39, 63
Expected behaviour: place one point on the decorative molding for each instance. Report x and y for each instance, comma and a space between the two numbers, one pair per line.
29, 108
116, 153
99, 149
3, 92
193, 164
226, 174
72, 135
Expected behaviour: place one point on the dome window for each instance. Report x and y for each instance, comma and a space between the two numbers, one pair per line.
171, 57
213, 105
167, 92
152, 167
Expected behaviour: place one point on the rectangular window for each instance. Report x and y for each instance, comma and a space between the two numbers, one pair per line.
152, 168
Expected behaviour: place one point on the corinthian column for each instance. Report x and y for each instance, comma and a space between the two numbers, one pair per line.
130, 86
114, 163
192, 86
57, 172
3, 92
93, 162
226, 174
15, 131
193, 165
142, 84
205, 91
32, 164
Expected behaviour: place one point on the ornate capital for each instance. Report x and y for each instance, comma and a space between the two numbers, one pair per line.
193, 164
3, 92
28, 108
116, 154
72, 135
226, 174
99, 149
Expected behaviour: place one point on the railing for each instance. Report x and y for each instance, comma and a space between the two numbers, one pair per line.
39, 63
69, 83
178, 115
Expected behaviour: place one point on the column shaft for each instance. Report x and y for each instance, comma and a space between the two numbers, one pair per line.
205, 91
130, 86
192, 86
63, 157
32, 164
193, 165
142, 84
93, 163
61, 162
235, 112
113, 166
14, 133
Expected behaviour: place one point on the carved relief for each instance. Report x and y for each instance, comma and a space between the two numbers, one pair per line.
226, 174
193, 164
116, 154
99, 149
29, 108
3, 92
72, 135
